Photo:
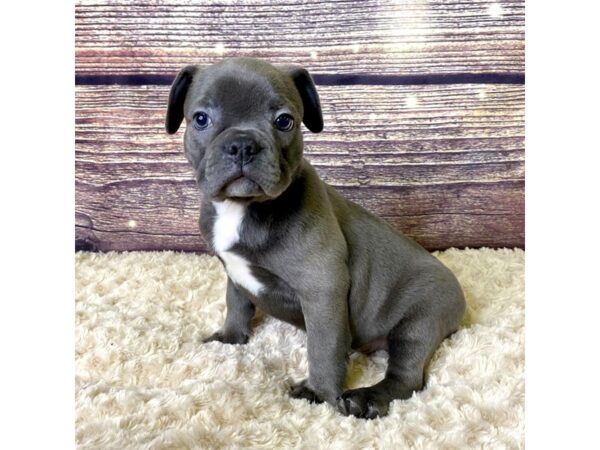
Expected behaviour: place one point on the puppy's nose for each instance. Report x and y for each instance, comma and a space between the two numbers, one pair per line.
242, 148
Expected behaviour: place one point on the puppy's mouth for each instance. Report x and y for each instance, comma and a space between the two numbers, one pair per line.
242, 187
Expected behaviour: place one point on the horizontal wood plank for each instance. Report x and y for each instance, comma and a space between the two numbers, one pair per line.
462, 215
486, 231
327, 37
445, 164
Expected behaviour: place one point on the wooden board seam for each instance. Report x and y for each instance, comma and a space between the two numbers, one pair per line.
325, 79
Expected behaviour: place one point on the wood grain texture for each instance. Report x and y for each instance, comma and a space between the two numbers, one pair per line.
444, 164
338, 37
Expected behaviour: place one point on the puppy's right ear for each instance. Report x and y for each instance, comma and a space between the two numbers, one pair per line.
179, 90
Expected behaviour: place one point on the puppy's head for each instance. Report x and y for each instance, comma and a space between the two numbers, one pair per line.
243, 120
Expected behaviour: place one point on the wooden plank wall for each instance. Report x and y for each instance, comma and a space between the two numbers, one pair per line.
423, 106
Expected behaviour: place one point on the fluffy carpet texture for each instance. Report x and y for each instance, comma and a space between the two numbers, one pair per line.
144, 379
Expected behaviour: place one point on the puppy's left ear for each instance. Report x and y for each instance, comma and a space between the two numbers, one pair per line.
313, 118
179, 89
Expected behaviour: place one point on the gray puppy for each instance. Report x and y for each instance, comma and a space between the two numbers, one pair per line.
293, 247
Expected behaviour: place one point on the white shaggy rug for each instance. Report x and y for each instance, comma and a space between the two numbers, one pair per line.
145, 381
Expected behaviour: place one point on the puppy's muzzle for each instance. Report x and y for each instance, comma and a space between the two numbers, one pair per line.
242, 148
242, 163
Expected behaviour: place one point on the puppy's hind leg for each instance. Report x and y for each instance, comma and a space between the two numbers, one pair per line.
411, 344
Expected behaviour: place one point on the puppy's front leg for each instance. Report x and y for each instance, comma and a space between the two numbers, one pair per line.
240, 311
328, 335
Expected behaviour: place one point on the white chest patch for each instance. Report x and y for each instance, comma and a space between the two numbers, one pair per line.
226, 233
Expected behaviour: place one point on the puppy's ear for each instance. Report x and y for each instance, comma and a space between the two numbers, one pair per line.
313, 118
179, 89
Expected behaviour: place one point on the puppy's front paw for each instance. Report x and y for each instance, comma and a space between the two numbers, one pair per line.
303, 390
363, 403
228, 338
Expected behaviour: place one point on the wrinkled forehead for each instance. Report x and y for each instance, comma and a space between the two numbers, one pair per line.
239, 91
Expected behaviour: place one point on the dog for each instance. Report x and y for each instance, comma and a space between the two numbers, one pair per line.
294, 247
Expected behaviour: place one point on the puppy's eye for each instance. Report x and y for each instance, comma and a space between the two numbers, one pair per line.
202, 121
284, 122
